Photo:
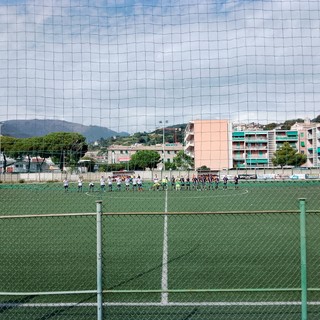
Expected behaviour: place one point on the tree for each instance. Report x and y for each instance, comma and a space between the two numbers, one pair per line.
144, 159
288, 156
183, 161
288, 123
63, 147
203, 168
66, 147
7, 145
270, 126
317, 119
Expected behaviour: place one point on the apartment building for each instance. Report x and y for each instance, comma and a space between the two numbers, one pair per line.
209, 142
309, 141
257, 148
313, 146
213, 143
122, 154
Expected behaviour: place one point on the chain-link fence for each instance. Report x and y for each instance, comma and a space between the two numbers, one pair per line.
159, 264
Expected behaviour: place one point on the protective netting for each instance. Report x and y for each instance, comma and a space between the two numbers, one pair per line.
128, 65
215, 89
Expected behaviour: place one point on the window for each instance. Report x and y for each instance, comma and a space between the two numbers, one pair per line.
302, 144
301, 134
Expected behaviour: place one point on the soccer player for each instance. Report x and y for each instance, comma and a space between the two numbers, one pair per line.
188, 183
173, 183
66, 184
79, 185
216, 182
225, 182
178, 184
119, 180
182, 183
236, 182
195, 182
210, 182
102, 184
164, 183
139, 182
127, 183
134, 183
110, 183
156, 183
203, 182
91, 186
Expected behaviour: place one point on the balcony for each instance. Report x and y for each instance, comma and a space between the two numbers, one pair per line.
237, 138
256, 140
189, 136
286, 138
256, 148
236, 147
189, 145
251, 161
238, 157
189, 153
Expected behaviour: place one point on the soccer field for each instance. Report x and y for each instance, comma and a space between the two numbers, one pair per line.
187, 264
251, 196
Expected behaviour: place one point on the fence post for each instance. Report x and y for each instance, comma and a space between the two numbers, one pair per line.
303, 255
99, 260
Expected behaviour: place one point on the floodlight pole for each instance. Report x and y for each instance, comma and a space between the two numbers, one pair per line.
303, 259
163, 146
1, 123
99, 260
164, 160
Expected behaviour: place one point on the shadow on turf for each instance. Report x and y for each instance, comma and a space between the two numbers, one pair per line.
15, 303
139, 275
11, 304
58, 312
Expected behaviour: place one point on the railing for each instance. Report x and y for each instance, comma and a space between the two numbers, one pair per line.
125, 261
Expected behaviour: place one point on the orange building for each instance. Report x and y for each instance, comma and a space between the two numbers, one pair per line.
209, 142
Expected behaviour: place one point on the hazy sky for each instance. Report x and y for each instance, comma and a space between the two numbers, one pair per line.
126, 65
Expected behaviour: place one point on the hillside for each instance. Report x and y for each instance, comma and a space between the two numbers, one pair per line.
35, 128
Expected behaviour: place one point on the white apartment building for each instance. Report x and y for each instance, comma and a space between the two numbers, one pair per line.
122, 154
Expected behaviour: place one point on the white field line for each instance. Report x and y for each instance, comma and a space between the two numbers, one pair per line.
158, 304
206, 195
164, 276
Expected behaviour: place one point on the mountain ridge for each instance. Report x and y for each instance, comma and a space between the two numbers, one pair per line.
37, 127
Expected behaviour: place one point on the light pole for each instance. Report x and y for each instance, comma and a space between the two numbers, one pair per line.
1, 158
163, 151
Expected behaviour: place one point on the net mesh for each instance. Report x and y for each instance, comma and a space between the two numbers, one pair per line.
127, 65
213, 87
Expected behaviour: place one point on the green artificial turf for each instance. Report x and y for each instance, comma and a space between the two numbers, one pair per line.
220, 257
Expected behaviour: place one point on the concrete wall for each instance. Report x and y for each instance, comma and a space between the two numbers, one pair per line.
148, 175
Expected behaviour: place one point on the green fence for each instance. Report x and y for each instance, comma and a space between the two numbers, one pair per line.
161, 265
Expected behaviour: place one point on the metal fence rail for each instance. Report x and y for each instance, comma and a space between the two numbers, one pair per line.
226, 265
